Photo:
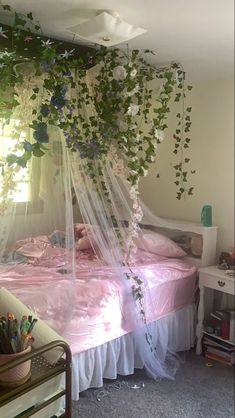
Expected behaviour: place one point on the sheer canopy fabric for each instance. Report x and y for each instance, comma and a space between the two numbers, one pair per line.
63, 196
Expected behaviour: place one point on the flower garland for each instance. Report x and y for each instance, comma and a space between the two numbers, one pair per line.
125, 111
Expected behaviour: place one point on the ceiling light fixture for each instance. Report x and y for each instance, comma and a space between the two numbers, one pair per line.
107, 29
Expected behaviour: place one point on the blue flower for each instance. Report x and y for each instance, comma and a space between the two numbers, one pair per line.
64, 90
40, 134
67, 73
58, 102
45, 110
82, 154
27, 146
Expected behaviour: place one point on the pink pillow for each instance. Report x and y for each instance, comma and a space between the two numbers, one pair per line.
83, 243
160, 245
79, 230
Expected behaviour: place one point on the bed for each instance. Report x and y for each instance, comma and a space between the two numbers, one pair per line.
99, 335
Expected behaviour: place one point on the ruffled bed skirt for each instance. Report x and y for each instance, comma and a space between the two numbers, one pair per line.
172, 333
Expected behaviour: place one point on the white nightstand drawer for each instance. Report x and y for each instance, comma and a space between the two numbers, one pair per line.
223, 284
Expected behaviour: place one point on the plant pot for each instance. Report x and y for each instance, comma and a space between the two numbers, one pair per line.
17, 375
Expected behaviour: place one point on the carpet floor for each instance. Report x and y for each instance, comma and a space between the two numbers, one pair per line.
196, 392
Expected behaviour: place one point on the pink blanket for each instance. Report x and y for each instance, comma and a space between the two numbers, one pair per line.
94, 308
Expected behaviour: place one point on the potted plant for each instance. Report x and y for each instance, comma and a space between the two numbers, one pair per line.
15, 341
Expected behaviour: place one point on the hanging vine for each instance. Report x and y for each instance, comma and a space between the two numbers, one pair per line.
126, 111
119, 112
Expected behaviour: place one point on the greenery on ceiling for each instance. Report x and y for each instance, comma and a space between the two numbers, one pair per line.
127, 111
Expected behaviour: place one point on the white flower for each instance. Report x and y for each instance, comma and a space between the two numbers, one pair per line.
164, 96
137, 138
177, 78
145, 172
67, 54
159, 135
152, 158
47, 44
133, 172
133, 73
133, 91
119, 73
28, 39
133, 110
3, 33
133, 190
123, 126
135, 206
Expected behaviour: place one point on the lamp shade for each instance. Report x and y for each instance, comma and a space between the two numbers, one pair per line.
105, 29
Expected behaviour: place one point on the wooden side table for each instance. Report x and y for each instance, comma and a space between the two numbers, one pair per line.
210, 278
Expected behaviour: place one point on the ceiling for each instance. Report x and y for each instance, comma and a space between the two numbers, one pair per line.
197, 33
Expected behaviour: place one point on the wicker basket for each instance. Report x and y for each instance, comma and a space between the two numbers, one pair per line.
17, 375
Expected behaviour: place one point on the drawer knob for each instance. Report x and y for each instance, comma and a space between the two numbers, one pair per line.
221, 283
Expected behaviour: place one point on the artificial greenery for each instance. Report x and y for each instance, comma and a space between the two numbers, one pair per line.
124, 110
127, 113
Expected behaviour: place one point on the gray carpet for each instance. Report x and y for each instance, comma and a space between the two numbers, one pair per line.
197, 391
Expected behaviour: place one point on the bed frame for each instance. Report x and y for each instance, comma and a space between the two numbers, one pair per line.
174, 230
106, 361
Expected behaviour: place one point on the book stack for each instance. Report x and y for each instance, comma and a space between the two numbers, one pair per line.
217, 349
218, 340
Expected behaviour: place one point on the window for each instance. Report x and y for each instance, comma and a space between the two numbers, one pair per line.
7, 146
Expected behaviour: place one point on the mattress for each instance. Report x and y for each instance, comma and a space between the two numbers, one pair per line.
95, 306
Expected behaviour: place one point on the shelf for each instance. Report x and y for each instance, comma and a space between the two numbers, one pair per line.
42, 373
220, 338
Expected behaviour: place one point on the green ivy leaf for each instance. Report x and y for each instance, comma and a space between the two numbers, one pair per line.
6, 7
11, 159
19, 21
22, 162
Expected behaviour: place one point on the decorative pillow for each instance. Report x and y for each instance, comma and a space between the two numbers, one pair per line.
160, 245
83, 243
79, 230
196, 246
85, 232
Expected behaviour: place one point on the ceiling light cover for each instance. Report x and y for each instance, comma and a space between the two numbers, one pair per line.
105, 29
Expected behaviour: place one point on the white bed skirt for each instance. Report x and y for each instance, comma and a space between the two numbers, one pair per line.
174, 332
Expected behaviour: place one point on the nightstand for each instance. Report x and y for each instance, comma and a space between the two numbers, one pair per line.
210, 278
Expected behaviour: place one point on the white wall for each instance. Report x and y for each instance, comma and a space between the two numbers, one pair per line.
212, 155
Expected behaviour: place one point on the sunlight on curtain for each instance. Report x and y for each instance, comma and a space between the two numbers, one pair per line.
7, 146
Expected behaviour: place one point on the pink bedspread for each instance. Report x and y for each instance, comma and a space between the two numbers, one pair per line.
94, 308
